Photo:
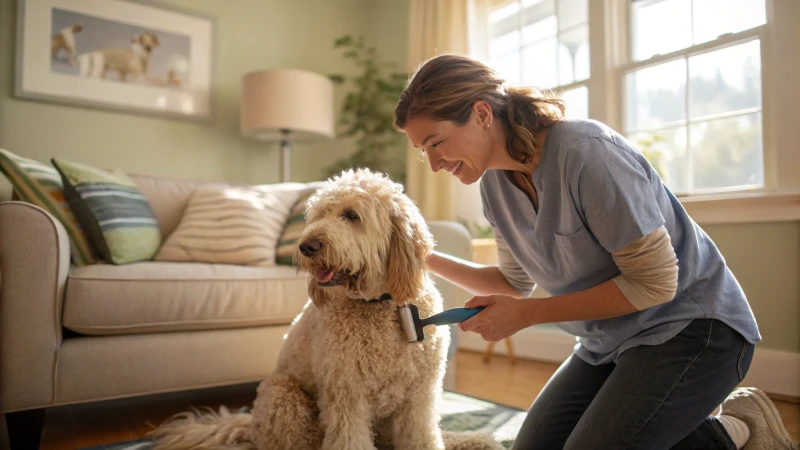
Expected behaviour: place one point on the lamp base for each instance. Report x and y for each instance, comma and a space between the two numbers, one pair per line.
286, 148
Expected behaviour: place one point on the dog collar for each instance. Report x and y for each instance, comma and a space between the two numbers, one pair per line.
382, 298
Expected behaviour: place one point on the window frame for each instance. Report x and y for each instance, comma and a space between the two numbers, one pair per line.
722, 42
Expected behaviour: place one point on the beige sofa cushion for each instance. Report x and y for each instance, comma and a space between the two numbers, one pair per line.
158, 296
230, 226
168, 197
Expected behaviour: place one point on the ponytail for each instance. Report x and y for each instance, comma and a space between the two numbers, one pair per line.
528, 112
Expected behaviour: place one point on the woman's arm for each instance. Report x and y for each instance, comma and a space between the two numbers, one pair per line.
505, 316
649, 277
478, 279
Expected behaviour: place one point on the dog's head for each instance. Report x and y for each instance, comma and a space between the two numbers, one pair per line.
77, 27
148, 41
363, 238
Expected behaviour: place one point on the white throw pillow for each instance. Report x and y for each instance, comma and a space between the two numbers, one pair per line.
230, 225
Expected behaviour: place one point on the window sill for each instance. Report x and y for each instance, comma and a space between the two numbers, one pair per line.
741, 207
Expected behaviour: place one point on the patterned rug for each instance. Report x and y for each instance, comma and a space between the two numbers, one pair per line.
459, 413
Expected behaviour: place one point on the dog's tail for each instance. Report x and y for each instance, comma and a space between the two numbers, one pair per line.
205, 429
469, 440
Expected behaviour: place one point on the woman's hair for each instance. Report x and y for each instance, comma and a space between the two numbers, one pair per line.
446, 87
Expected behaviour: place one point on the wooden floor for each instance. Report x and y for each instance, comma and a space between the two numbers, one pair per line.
81, 426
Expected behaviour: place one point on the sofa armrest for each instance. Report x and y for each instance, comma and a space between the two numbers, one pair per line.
34, 262
453, 239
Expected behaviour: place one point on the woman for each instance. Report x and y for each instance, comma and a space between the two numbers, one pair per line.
664, 330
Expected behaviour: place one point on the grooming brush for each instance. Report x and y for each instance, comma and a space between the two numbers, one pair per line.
413, 325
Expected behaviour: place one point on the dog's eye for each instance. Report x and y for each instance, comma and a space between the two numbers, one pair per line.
351, 215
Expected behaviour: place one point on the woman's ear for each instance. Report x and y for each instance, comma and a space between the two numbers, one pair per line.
482, 113
411, 244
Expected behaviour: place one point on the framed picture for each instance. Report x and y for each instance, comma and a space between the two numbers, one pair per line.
122, 55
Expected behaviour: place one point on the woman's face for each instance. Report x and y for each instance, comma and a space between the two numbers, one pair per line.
464, 151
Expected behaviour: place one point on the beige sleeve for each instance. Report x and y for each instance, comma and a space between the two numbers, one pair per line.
649, 270
510, 268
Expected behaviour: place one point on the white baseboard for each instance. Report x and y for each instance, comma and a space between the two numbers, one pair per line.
773, 371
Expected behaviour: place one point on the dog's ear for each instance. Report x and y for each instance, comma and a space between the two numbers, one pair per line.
411, 244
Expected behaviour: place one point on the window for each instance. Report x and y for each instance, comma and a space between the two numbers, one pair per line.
693, 91
545, 44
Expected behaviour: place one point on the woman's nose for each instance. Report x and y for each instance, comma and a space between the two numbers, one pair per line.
434, 161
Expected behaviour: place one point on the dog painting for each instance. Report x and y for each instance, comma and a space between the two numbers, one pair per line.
126, 56
114, 51
346, 377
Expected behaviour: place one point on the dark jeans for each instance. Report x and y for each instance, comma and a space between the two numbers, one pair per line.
653, 397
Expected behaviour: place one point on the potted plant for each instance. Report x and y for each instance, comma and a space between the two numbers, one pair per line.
368, 111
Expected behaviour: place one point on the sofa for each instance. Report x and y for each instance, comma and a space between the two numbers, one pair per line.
85, 334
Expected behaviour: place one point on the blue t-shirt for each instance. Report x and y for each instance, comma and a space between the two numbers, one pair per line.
596, 195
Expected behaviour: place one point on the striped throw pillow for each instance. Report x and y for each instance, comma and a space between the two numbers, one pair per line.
293, 229
40, 184
113, 211
229, 226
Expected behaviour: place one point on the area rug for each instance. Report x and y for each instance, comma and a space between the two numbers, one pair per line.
459, 413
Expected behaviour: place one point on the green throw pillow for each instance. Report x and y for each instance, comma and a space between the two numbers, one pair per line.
112, 210
294, 227
40, 185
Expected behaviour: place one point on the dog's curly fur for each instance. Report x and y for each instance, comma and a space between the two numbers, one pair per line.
346, 378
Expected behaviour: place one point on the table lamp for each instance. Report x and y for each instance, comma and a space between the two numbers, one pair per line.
283, 103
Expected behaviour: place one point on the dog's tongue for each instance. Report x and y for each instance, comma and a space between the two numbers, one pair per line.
323, 276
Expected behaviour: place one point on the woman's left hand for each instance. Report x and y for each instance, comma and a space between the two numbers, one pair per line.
502, 317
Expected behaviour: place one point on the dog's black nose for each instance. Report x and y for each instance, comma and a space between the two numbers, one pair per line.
310, 247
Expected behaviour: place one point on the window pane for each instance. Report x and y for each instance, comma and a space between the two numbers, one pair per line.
573, 56
542, 29
504, 12
508, 67
715, 17
666, 151
539, 69
728, 152
577, 101
725, 80
660, 27
656, 95
537, 11
506, 43
572, 13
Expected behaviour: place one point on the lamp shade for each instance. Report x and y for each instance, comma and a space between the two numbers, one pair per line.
297, 101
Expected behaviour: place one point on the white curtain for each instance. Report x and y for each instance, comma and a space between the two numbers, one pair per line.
436, 27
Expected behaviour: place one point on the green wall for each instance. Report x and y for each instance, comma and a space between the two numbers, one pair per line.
251, 35
765, 258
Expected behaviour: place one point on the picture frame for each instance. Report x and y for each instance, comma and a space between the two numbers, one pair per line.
121, 55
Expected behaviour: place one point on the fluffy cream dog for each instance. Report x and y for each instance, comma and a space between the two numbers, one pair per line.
346, 378
133, 62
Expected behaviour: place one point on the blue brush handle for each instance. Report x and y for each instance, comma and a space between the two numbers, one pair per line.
451, 316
